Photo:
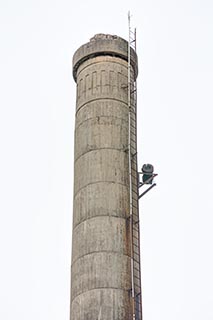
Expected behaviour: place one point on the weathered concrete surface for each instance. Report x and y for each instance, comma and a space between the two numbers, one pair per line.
101, 278
102, 44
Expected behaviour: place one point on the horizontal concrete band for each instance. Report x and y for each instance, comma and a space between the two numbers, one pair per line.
106, 216
97, 252
91, 148
100, 119
101, 133
105, 198
102, 215
100, 60
101, 234
101, 165
102, 107
100, 270
103, 182
101, 303
103, 289
99, 98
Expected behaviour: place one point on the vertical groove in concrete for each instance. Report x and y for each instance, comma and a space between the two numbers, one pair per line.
100, 273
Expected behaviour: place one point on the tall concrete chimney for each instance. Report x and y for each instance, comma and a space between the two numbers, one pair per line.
103, 254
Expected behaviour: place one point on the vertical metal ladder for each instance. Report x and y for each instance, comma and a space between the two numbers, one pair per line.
133, 183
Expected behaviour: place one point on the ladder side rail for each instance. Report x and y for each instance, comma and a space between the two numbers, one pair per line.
138, 295
130, 170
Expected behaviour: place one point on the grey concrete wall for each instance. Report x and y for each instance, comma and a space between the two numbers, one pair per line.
100, 271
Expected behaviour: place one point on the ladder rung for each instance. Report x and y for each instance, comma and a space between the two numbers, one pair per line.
136, 229
135, 210
135, 245
133, 132
135, 237
135, 253
135, 213
137, 269
135, 240
138, 265
135, 176
138, 289
133, 139
135, 192
135, 184
136, 187
136, 217
137, 272
135, 220
135, 195
135, 206
134, 161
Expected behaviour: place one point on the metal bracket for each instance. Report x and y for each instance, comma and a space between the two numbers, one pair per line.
147, 190
147, 182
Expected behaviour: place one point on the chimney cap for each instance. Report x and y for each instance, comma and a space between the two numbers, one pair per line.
104, 44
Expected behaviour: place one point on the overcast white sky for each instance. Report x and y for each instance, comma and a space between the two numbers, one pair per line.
37, 103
